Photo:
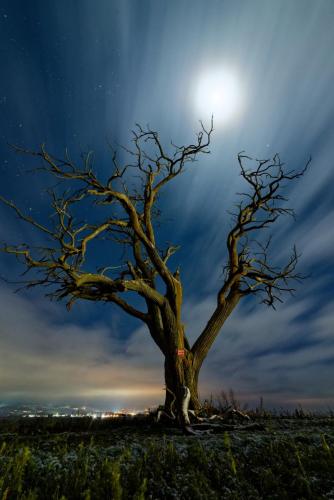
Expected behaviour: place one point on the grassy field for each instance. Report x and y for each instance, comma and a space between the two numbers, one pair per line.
64, 458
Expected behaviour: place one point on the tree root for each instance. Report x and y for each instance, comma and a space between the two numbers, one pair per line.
229, 420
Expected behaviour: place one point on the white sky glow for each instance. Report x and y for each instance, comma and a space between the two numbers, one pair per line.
217, 92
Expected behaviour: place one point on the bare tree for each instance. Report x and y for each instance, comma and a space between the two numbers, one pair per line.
129, 220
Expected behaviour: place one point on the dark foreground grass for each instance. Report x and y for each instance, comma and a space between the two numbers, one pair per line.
62, 459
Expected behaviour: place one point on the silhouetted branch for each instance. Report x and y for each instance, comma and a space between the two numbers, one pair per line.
249, 271
131, 224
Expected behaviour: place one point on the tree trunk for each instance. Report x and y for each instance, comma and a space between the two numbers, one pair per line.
183, 370
179, 372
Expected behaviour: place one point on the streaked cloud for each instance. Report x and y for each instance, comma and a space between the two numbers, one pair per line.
110, 65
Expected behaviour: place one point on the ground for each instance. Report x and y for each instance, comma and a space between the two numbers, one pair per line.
291, 457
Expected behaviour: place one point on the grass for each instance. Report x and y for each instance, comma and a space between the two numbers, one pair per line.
85, 459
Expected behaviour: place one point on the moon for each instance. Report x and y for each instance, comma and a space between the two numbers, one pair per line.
217, 92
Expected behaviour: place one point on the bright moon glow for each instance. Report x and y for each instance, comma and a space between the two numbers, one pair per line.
217, 93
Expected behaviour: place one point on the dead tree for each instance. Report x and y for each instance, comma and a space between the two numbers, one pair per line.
130, 221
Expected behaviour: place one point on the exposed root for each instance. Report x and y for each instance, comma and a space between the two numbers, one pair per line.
229, 420
164, 413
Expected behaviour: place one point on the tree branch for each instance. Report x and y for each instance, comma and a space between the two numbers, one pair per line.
260, 212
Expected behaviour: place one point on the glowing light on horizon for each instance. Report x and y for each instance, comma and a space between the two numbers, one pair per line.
122, 392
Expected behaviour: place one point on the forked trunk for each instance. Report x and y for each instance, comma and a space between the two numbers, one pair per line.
182, 363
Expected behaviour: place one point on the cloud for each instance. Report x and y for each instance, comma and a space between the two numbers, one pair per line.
127, 67
284, 356
44, 358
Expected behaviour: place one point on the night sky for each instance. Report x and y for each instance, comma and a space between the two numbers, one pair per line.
80, 74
